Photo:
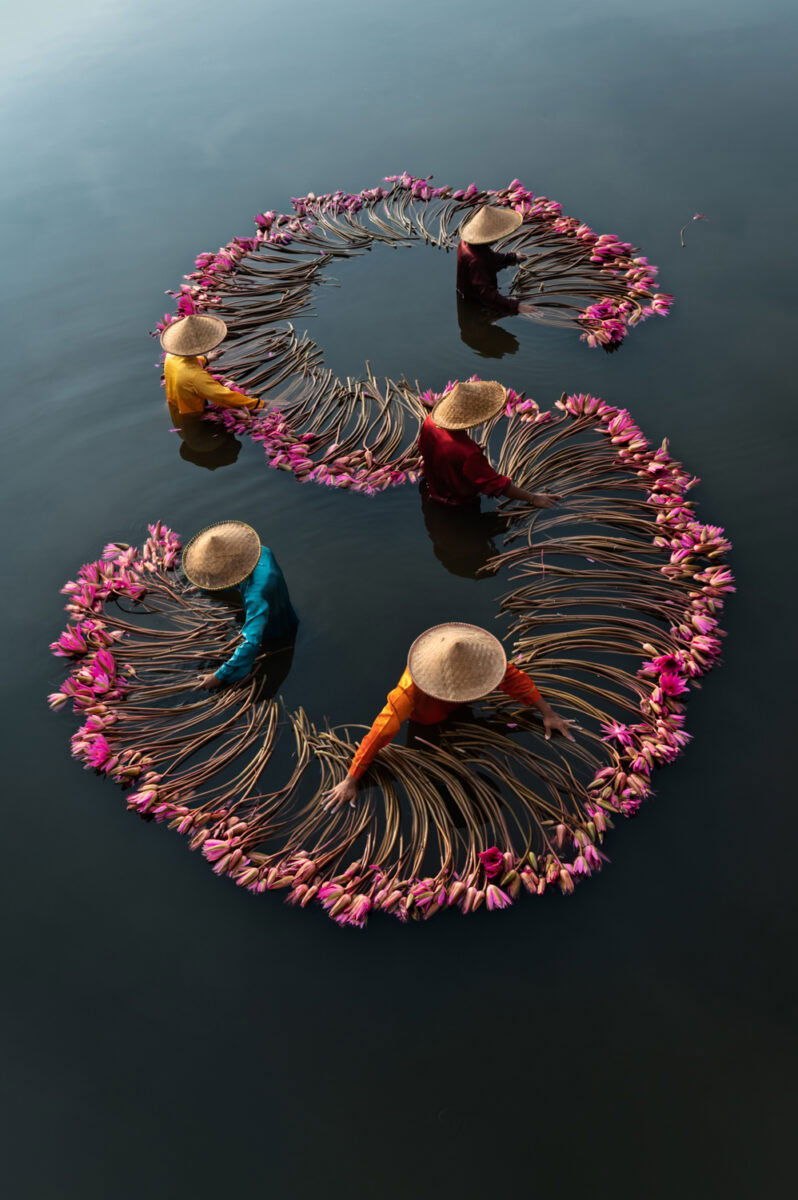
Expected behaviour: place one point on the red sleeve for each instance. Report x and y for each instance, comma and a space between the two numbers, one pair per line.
504, 260
519, 685
478, 470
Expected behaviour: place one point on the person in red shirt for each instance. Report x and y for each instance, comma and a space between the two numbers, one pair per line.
456, 470
478, 263
448, 666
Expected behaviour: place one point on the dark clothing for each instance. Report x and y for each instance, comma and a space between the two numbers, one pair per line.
476, 276
455, 469
462, 536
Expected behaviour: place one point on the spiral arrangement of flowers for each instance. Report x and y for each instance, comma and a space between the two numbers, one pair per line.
358, 433
615, 603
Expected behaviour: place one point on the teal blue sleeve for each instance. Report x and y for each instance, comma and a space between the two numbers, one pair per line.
254, 593
242, 660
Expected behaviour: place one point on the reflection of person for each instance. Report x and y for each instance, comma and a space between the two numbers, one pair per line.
202, 443
447, 666
478, 263
230, 556
461, 536
456, 470
222, 453
477, 330
190, 344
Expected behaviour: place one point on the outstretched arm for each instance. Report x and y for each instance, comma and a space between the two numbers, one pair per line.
536, 499
242, 660
207, 388
520, 686
385, 728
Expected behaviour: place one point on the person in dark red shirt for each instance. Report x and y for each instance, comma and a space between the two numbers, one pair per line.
478, 263
456, 471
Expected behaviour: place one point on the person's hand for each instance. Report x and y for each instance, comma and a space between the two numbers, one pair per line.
554, 723
212, 355
544, 499
343, 793
209, 682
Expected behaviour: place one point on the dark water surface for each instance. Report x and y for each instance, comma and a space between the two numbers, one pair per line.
167, 1035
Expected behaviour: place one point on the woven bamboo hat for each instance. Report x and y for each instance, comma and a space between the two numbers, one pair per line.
468, 404
194, 334
221, 555
489, 224
457, 662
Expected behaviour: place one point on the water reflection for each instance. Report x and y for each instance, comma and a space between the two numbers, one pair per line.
462, 538
479, 331
203, 444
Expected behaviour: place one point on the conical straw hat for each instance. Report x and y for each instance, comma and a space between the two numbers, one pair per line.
221, 555
457, 662
489, 224
469, 404
194, 334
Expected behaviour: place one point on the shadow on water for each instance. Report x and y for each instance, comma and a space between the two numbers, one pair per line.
479, 331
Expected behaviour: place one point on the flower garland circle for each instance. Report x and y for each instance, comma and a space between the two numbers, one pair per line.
616, 642
361, 434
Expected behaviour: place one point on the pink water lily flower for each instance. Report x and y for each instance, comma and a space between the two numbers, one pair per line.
492, 861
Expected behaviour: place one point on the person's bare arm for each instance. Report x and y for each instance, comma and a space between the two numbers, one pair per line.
536, 499
552, 721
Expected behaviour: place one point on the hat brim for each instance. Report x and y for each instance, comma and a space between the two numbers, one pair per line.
223, 581
485, 414
508, 224
495, 669
216, 335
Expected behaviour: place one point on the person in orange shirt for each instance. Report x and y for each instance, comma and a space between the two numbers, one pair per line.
190, 344
447, 666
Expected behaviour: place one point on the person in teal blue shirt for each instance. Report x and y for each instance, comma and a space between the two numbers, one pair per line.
227, 558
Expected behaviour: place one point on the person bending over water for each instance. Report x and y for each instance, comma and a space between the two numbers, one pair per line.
229, 557
447, 666
478, 263
455, 469
190, 344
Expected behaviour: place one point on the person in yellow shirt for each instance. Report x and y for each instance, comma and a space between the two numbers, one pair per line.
190, 344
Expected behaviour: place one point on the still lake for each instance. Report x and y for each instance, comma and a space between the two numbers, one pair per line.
167, 1035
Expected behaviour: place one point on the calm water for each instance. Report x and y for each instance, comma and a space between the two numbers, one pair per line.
167, 1036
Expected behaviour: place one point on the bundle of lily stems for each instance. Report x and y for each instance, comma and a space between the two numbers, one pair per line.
614, 596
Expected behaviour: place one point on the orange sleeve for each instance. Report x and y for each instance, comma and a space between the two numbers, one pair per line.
385, 728
206, 386
517, 683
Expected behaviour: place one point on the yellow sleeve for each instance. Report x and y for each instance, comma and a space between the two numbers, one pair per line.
385, 728
206, 387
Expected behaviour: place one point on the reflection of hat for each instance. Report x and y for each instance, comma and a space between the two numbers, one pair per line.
223, 453
457, 662
469, 404
490, 224
221, 555
193, 334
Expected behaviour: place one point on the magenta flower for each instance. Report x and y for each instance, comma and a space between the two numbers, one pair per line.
617, 732
672, 684
492, 861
